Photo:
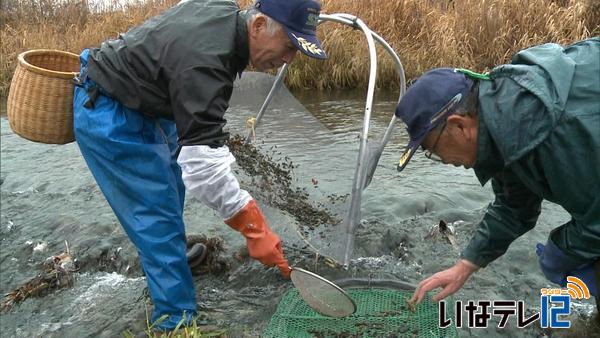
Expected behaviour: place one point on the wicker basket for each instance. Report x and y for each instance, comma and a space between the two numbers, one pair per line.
40, 100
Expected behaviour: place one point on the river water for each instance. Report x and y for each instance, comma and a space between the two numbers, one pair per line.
48, 196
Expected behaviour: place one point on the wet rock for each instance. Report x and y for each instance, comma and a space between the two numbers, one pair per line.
447, 231
105, 257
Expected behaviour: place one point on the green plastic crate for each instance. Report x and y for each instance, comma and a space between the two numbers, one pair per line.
380, 313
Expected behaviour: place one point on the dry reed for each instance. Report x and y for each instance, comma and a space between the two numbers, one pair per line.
69, 25
475, 34
472, 34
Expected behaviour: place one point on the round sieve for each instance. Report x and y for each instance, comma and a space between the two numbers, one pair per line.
322, 295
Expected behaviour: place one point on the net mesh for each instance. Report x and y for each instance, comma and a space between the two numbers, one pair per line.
302, 160
300, 166
380, 313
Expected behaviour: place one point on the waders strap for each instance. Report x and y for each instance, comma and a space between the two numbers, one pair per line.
93, 94
92, 89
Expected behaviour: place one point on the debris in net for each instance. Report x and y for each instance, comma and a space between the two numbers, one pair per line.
274, 183
410, 305
57, 275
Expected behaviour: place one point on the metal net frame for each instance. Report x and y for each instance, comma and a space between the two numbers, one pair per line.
369, 151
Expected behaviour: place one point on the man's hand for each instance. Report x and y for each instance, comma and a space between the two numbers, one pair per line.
451, 280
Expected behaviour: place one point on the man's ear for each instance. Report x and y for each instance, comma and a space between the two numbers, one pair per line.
259, 23
464, 125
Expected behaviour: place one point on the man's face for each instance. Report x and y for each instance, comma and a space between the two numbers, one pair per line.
269, 51
456, 142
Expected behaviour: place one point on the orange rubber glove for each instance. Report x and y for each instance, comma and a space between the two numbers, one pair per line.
263, 244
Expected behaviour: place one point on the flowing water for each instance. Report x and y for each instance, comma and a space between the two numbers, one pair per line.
48, 196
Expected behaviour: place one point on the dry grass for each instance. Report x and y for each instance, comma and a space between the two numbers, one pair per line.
476, 34
65, 25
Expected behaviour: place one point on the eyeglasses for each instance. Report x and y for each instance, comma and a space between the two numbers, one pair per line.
430, 153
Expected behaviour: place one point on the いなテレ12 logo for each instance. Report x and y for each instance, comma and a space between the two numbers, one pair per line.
556, 302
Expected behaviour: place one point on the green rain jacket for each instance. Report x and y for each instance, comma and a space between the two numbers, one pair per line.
539, 138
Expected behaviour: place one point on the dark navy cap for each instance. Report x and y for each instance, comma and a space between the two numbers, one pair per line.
428, 102
299, 18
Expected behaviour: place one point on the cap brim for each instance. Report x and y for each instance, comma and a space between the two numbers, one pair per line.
307, 44
411, 149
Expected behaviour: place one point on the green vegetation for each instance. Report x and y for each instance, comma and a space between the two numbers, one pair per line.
193, 330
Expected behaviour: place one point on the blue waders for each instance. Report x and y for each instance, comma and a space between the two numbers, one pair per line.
133, 158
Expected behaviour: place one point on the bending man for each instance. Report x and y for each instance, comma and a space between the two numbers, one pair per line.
532, 127
149, 115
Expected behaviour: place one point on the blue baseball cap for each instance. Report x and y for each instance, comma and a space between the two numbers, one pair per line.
428, 102
299, 18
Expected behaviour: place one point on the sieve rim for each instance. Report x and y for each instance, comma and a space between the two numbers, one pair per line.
330, 283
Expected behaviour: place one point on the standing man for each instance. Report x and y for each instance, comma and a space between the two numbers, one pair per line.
533, 128
149, 115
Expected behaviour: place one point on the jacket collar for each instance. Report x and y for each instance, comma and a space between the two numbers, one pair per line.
489, 161
242, 49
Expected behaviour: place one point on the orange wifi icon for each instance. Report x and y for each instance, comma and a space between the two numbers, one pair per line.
577, 288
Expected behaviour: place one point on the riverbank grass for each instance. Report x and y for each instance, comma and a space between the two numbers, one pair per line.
472, 34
